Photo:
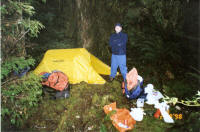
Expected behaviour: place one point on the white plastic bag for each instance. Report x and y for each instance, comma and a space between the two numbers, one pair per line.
137, 114
167, 118
150, 99
163, 107
148, 88
152, 95
140, 102
139, 78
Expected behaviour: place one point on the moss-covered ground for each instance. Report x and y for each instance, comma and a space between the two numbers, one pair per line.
83, 111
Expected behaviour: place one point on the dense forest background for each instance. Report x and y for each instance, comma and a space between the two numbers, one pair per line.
163, 44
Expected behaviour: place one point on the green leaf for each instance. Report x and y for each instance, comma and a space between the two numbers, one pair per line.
103, 128
44, 1
13, 121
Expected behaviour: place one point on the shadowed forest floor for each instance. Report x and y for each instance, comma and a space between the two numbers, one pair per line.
83, 111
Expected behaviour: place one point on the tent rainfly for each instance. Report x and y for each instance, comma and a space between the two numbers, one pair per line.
78, 64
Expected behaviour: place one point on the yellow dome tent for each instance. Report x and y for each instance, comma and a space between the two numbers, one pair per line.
78, 64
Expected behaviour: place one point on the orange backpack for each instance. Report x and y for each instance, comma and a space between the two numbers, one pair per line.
57, 80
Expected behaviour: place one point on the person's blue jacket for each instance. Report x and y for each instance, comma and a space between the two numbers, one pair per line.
118, 43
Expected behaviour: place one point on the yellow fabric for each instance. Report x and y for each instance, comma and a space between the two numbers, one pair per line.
78, 64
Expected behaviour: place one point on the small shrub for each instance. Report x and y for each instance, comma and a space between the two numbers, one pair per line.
19, 96
15, 64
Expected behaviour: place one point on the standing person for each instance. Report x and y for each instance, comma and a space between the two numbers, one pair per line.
117, 43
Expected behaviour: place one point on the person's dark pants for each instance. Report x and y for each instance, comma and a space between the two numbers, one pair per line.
118, 60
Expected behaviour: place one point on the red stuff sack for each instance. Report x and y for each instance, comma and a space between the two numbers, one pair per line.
57, 80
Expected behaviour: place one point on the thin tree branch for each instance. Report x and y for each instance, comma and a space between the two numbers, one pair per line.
22, 36
8, 81
195, 69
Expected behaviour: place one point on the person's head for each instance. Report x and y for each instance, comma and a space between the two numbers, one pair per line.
118, 28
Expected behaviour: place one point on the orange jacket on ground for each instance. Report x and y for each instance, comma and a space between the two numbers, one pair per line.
121, 119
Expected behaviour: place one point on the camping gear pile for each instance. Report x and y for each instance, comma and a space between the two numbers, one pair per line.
153, 97
58, 81
133, 89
